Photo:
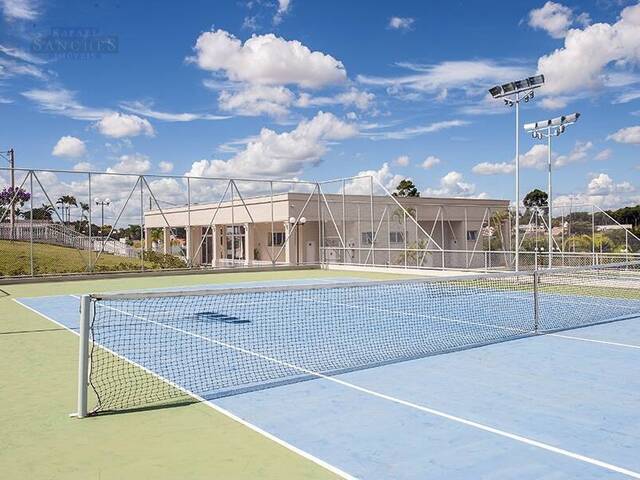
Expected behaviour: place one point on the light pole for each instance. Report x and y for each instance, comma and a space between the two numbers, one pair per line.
547, 129
512, 94
102, 203
301, 222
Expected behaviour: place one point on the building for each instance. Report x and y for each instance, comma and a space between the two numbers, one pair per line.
295, 228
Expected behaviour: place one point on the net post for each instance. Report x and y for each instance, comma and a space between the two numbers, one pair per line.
536, 301
83, 357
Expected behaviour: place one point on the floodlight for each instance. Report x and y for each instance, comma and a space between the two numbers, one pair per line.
495, 91
536, 80
513, 91
521, 84
555, 122
547, 129
508, 87
572, 118
292, 220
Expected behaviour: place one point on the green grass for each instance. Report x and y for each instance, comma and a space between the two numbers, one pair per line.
38, 362
53, 259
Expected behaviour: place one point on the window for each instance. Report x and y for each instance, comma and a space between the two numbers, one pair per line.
396, 237
472, 235
275, 239
366, 238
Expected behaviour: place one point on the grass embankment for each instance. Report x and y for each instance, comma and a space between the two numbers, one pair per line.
52, 259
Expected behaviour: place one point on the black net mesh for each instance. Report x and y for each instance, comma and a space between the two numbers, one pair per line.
164, 347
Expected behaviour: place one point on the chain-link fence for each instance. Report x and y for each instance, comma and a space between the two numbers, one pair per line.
56, 222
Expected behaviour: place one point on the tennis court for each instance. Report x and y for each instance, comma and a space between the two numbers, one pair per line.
383, 379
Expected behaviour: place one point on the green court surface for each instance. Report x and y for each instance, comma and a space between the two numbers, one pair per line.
38, 363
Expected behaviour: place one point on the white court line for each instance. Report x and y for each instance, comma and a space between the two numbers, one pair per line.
218, 408
616, 344
438, 413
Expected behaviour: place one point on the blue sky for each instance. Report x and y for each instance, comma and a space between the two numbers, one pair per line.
318, 90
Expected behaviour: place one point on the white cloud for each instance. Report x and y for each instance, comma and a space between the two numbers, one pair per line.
552, 17
605, 154
283, 8
353, 97
82, 167
402, 160
146, 110
165, 167
535, 157
554, 103
453, 185
487, 168
410, 132
119, 125
257, 100
604, 192
471, 76
430, 162
11, 68
135, 164
626, 135
579, 152
19, 9
581, 63
273, 154
70, 147
627, 97
63, 102
266, 60
401, 23
20, 54
383, 176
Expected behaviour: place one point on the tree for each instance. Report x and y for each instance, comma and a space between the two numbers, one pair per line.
44, 212
67, 201
406, 188
536, 198
18, 195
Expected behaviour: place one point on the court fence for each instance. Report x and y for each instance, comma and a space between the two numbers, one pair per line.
59, 222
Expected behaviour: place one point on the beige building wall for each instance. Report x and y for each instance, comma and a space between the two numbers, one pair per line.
442, 223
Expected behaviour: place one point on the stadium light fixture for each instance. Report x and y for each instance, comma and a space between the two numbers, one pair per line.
546, 129
512, 93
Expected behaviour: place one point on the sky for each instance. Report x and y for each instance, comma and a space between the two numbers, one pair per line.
293, 89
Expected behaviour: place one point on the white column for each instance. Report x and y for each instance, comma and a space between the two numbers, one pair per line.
248, 243
148, 243
166, 240
215, 243
194, 236
288, 242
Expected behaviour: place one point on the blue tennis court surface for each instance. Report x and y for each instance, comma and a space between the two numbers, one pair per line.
563, 405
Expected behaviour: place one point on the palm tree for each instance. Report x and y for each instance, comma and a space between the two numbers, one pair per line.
67, 201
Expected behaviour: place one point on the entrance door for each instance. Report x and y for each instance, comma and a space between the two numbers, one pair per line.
235, 242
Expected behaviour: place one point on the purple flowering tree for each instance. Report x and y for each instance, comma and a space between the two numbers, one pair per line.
7, 194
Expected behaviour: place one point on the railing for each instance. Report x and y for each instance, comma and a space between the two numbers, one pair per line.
57, 234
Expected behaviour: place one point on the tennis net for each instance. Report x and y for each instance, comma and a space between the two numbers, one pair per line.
151, 348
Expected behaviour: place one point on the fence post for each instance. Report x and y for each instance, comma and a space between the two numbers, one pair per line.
31, 262
536, 301
83, 358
